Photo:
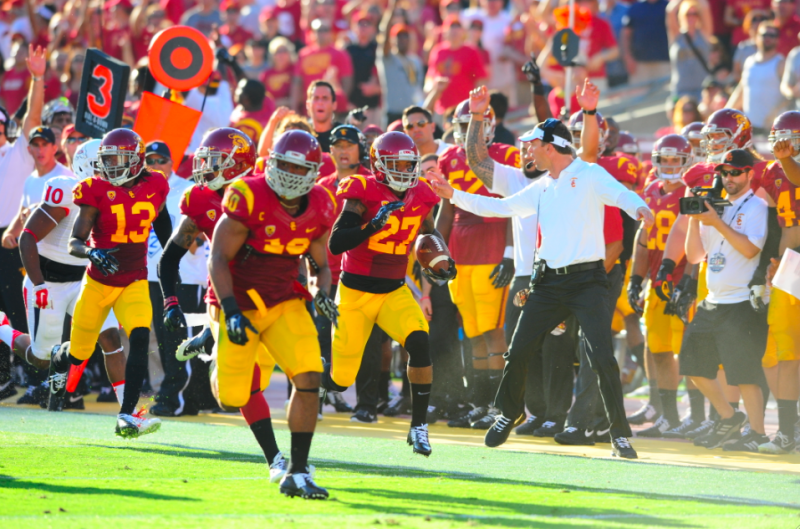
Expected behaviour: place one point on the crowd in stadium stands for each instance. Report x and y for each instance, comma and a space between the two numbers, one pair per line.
346, 72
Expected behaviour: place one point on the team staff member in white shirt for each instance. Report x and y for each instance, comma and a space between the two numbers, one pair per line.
725, 329
569, 276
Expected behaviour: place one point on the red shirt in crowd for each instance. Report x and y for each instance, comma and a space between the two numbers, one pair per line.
462, 66
597, 36
237, 35
14, 88
313, 62
278, 82
740, 10
252, 123
788, 35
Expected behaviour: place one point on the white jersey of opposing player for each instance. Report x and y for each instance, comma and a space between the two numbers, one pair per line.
55, 245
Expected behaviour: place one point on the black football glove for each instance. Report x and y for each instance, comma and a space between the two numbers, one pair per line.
683, 298
384, 213
503, 273
173, 315
757, 298
663, 284
358, 115
635, 293
416, 271
327, 307
440, 278
237, 325
531, 71
103, 260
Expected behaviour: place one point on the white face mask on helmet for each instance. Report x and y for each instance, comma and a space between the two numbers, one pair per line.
84, 162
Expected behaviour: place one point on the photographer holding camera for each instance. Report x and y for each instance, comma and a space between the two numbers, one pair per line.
726, 330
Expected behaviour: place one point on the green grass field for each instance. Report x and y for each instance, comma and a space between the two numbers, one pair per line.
68, 471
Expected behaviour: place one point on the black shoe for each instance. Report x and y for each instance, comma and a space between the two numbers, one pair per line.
575, 436
418, 439
748, 443
57, 380
621, 447
486, 422
107, 394
501, 429
335, 399
36, 395
477, 413
302, 485
548, 429
434, 414
704, 428
27, 397
658, 429
602, 435
192, 347
461, 420
680, 432
646, 413
382, 405
531, 424
74, 401
400, 405
7, 389
723, 430
364, 415
162, 409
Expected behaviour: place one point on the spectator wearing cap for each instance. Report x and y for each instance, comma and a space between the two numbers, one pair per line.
758, 93
366, 90
453, 68
170, 400
493, 23
788, 24
231, 32
277, 79
418, 123
253, 108
725, 329
400, 71
15, 80
203, 16
645, 46
322, 61
71, 139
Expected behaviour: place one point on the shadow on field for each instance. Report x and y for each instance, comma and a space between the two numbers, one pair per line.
9, 482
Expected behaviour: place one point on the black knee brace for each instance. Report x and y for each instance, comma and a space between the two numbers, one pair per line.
140, 342
419, 354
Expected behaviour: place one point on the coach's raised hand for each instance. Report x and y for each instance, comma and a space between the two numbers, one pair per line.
440, 185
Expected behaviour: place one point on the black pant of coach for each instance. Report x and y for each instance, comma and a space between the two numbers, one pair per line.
580, 290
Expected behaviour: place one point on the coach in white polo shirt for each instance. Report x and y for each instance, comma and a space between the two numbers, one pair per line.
725, 329
569, 276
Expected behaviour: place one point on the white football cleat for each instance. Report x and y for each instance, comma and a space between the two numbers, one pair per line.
278, 468
136, 425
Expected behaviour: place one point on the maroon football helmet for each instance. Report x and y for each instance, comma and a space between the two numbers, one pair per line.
672, 156
576, 128
387, 151
461, 120
727, 129
787, 127
225, 154
120, 157
301, 149
628, 144
694, 133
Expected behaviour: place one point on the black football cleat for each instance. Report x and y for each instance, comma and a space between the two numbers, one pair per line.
399, 405
486, 422
530, 425
418, 439
193, 346
7, 389
28, 397
501, 429
336, 400
621, 447
56, 379
74, 401
686, 426
659, 428
107, 394
548, 429
701, 430
723, 430
364, 415
302, 485
575, 437
646, 413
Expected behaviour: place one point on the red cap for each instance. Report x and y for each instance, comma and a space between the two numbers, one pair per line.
395, 126
446, 3
399, 28
361, 15
125, 4
374, 129
12, 4
69, 129
229, 4
451, 21
267, 13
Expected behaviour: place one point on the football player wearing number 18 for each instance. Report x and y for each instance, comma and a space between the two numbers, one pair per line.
267, 225
381, 217
117, 205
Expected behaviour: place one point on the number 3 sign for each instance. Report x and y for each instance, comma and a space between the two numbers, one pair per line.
103, 88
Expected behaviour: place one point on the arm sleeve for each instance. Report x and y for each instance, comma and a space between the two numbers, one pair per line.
770, 249
348, 232
168, 268
612, 193
522, 204
163, 227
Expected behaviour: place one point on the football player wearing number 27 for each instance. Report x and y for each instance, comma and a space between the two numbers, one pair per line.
380, 219
117, 205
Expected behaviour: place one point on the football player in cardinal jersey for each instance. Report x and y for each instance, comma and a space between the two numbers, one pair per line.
267, 225
117, 205
484, 250
224, 156
53, 279
382, 215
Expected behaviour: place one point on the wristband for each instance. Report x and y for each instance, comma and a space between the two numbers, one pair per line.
508, 253
537, 89
38, 78
229, 306
589, 112
424, 297
170, 301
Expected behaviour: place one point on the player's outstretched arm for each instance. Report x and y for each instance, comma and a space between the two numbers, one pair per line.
168, 268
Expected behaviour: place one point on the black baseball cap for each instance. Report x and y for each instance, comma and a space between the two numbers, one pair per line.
346, 133
42, 132
158, 147
738, 158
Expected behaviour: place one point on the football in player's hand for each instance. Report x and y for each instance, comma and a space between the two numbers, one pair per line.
432, 253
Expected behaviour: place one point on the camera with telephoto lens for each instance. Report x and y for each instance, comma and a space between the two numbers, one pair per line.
702, 195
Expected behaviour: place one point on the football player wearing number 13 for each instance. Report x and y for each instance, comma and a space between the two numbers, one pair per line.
117, 207
267, 225
381, 217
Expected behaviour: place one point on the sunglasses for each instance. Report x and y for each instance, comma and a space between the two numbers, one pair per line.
74, 139
156, 161
420, 124
769, 35
733, 172
756, 20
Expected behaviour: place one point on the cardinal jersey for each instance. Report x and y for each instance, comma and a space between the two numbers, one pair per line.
266, 268
123, 222
475, 240
665, 208
621, 168
385, 254
785, 194
204, 207
55, 245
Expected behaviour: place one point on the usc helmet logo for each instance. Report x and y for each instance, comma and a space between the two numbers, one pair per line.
742, 120
240, 143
